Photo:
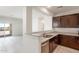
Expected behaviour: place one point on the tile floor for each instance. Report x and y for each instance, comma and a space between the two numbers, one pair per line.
10, 44
63, 49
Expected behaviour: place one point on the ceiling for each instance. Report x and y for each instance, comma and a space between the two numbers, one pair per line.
17, 11
58, 9
11, 11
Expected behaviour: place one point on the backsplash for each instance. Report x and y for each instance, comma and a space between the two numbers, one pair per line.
70, 30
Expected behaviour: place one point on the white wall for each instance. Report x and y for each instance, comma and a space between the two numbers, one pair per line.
24, 20
68, 12
67, 29
70, 30
35, 17
27, 20
31, 44
16, 24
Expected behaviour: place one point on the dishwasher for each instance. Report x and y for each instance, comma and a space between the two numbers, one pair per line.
45, 47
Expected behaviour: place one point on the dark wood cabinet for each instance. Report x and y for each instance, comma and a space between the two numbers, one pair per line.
70, 41
49, 45
77, 39
52, 44
67, 21
56, 22
76, 45
64, 21
73, 20
65, 40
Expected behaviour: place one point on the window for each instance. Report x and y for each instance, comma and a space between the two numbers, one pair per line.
5, 29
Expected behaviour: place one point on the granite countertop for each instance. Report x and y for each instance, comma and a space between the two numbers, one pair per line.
43, 39
57, 33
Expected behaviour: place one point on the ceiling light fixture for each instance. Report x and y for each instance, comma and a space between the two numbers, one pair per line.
45, 10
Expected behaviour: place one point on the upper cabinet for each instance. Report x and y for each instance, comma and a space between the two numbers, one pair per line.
67, 21
56, 22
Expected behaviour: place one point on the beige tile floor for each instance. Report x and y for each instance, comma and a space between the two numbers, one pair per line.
63, 49
10, 44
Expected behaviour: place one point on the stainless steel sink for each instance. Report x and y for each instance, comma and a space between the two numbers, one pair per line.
47, 36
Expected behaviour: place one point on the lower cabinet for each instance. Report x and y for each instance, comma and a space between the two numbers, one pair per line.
65, 40
45, 47
70, 41
52, 44
76, 45
49, 46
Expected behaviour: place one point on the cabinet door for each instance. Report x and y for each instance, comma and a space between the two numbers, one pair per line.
73, 20
64, 21
70, 41
56, 22
52, 44
77, 39
67, 21
45, 47
67, 41
76, 45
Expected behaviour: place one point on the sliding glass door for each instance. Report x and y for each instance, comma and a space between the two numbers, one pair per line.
5, 29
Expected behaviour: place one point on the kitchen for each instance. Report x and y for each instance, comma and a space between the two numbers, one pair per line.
57, 32
39, 29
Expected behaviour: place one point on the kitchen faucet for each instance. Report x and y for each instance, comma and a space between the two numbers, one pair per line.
44, 34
